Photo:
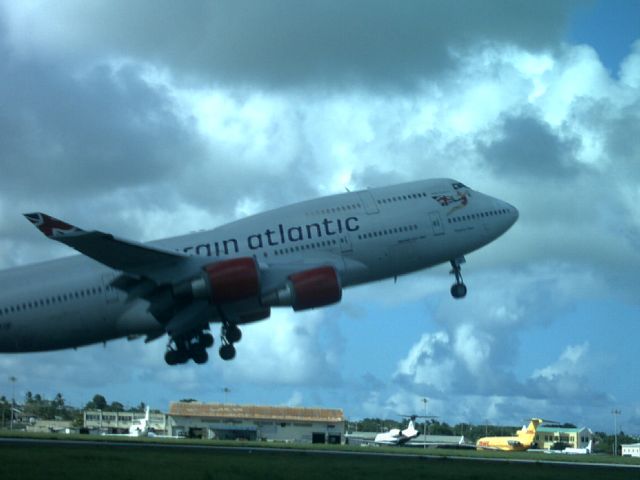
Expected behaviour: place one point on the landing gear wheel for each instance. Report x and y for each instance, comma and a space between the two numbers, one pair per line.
233, 334
199, 356
458, 290
206, 340
176, 357
171, 357
227, 352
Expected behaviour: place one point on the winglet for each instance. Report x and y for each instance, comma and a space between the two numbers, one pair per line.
50, 226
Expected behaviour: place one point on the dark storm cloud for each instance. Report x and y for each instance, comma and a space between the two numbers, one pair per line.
528, 146
617, 125
283, 43
84, 137
102, 139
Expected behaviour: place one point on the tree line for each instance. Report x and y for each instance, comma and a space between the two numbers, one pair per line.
38, 406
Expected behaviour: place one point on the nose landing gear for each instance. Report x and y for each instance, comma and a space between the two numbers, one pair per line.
458, 289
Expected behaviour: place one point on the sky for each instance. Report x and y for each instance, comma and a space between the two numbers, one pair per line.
149, 119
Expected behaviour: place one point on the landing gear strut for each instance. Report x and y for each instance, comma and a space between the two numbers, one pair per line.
229, 334
458, 289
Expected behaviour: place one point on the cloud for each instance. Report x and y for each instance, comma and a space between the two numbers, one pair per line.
471, 360
429, 362
567, 379
288, 349
529, 147
572, 361
151, 120
282, 42
76, 135
296, 399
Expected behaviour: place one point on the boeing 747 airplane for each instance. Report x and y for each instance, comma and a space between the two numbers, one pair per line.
302, 256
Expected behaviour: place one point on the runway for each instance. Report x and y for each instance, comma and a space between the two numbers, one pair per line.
301, 451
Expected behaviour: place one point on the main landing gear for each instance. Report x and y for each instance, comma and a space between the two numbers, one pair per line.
458, 289
182, 350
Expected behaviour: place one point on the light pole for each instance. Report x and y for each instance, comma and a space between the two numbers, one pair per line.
615, 412
424, 425
226, 390
13, 397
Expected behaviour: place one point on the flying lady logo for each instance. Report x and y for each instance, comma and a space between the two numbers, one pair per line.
457, 201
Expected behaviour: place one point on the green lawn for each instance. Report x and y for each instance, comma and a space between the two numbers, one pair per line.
96, 462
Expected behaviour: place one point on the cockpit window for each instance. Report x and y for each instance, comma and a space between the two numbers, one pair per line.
458, 185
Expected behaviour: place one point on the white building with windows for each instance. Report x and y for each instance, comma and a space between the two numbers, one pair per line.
251, 422
119, 422
549, 436
631, 450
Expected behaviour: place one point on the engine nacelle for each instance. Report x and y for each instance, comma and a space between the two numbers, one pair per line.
309, 289
255, 315
224, 282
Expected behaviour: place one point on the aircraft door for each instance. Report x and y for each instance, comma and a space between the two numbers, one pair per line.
368, 202
345, 244
436, 223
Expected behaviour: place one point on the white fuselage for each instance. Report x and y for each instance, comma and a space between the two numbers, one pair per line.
395, 436
367, 236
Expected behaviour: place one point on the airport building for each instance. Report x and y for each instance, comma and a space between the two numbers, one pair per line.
631, 450
250, 422
547, 436
119, 422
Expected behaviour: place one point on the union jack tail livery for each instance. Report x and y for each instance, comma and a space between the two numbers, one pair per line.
51, 227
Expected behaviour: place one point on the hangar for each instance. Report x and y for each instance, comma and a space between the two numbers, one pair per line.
251, 422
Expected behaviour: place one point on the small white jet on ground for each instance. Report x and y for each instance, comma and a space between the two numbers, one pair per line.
302, 256
579, 451
573, 450
395, 436
140, 428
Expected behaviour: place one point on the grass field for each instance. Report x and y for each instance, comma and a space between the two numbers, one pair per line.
136, 462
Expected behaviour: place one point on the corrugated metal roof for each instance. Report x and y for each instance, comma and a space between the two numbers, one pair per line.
254, 412
560, 429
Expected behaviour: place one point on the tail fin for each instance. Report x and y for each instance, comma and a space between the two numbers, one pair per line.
533, 425
50, 226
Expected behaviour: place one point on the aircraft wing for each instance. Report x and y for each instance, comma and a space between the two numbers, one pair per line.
154, 274
119, 254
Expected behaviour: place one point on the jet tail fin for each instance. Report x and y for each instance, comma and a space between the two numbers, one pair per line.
119, 254
50, 226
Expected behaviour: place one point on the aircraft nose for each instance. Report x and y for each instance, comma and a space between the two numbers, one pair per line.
511, 214
515, 214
